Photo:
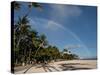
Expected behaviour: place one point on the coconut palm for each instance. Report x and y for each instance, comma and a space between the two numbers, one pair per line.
34, 4
43, 42
16, 5
21, 31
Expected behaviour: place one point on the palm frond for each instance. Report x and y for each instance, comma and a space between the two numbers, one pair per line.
16, 5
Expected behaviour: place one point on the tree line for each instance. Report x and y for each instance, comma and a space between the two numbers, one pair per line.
29, 46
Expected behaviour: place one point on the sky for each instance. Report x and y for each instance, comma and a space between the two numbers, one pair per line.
66, 26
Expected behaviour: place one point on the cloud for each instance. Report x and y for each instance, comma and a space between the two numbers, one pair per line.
57, 16
66, 10
72, 46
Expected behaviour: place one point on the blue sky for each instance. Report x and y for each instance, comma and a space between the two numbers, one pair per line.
66, 26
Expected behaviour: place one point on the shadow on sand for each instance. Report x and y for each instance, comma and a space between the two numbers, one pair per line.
71, 66
63, 67
48, 67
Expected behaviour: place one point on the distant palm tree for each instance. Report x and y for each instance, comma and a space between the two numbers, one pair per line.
16, 5
34, 4
65, 51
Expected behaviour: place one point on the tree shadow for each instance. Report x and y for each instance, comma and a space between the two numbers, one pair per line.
20, 68
48, 67
74, 64
71, 66
74, 68
28, 68
64, 67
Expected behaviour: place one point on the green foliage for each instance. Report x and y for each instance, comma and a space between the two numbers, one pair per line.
16, 5
30, 46
68, 55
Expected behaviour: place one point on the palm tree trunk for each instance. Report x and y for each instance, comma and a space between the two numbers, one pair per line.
38, 48
29, 56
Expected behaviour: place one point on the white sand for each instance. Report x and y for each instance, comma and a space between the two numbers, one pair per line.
63, 66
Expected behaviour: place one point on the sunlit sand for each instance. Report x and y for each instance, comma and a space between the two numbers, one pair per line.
61, 66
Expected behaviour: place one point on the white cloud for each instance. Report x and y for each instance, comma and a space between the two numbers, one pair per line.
59, 12
72, 46
66, 10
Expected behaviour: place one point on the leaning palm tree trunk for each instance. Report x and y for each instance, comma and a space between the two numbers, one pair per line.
29, 56
39, 48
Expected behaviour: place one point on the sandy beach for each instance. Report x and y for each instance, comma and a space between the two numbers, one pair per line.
61, 66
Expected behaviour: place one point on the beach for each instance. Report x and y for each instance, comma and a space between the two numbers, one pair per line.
68, 65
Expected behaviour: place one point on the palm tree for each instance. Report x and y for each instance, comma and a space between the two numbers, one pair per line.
53, 52
16, 5
42, 41
65, 53
56, 53
33, 39
21, 30
34, 4
65, 50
